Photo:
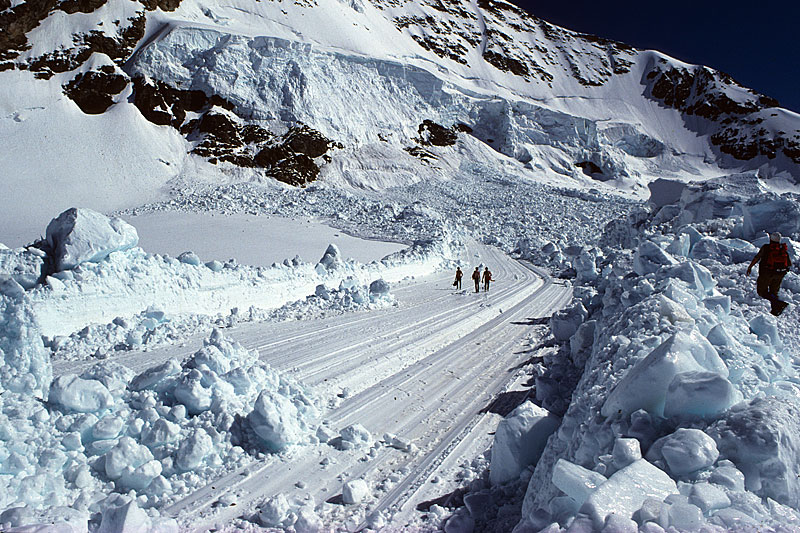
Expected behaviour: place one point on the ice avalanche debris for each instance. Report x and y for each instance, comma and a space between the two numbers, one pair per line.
149, 437
80, 235
684, 414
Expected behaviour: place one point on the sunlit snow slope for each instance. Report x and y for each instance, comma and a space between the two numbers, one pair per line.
108, 102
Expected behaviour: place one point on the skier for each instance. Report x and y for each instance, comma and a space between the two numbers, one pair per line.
775, 263
459, 275
487, 277
476, 277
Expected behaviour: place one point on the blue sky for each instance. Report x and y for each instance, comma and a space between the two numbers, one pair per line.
758, 43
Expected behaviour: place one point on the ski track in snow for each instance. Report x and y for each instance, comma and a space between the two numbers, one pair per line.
423, 371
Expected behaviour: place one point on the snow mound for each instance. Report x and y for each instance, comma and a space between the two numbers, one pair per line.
80, 235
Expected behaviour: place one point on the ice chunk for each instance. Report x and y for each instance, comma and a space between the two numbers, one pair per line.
619, 524
151, 377
108, 427
307, 521
580, 344
355, 491
332, 258
685, 517
576, 481
214, 266
725, 251
665, 191
378, 289
162, 431
189, 258
122, 460
626, 451
625, 492
708, 497
696, 276
673, 311
192, 392
274, 512
124, 519
702, 394
565, 323
519, 441
762, 438
23, 266
80, 235
645, 385
356, 435
767, 213
193, 450
276, 420
585, 266
766, 327
459, 523
649, 257
686, 450
728, 476
71, 393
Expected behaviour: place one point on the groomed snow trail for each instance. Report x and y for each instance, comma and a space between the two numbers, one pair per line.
423, 371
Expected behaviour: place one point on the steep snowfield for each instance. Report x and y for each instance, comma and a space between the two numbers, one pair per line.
557, 105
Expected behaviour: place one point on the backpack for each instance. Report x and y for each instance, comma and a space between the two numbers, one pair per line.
776, 257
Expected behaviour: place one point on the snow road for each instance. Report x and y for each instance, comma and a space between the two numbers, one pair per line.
423, 371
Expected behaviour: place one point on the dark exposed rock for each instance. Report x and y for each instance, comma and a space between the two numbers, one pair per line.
506, 63
433, 134
93, 91
164, 105
307, 141
117, 48
700, 92
421, 153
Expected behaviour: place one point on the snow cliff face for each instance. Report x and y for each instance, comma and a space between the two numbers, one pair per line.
232, 83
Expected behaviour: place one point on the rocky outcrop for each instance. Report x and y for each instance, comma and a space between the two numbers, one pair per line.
93, 91
700, 91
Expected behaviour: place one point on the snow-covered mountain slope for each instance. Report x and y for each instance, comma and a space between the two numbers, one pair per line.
333, 90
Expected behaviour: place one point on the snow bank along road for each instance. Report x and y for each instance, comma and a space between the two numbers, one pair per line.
423, 371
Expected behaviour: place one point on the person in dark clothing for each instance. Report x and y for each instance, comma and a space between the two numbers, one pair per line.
459, 275
487, 277
476, 277
775, 263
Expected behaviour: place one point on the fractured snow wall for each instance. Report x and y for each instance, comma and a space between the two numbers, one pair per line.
358, 100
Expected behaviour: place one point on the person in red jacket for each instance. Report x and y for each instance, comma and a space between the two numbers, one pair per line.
775, 263
487, 277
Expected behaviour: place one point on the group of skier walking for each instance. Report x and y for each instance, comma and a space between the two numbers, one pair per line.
477, 277
774, 264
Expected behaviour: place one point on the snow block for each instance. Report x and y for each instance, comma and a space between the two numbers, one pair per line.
132, 464
565, 323
80, 235
625, 492
193, 450
576, 481
626, 451
645, 386
276, 420
274, 512
685, 451
696, 276
355, 491
700, 394
649, 257
125, 519
519, 441
74, 394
